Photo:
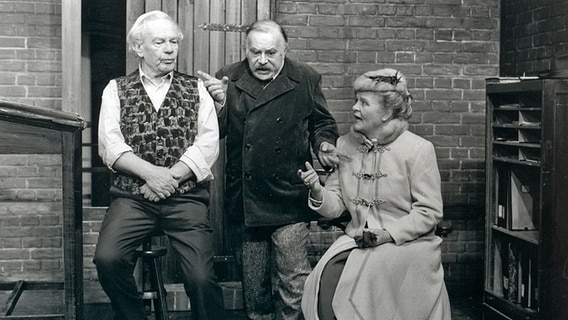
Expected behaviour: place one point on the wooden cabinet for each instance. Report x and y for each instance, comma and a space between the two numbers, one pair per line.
526, 272
33, 130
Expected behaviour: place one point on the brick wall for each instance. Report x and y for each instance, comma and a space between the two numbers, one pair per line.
30, 185
30, 52
30, 217
531, 31
446, 48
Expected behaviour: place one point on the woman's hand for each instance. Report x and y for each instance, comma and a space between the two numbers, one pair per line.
311, 179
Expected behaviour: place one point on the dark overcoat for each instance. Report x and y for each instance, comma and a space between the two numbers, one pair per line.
269, 130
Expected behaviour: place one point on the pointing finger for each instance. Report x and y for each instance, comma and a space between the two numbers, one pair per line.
203, 76
225, 83
309, 166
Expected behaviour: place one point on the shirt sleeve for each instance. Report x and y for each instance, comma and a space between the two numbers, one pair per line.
201, 156
110, 138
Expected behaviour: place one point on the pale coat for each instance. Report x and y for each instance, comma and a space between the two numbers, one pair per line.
401, 280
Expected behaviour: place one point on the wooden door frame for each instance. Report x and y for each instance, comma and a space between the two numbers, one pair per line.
71, 56
71, 49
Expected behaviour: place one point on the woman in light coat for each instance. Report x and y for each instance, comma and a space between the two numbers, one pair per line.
388, 264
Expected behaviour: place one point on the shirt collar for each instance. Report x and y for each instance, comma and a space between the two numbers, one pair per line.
279, 70
166, 79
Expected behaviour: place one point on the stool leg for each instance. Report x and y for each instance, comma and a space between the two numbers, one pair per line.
147, 283
160, 303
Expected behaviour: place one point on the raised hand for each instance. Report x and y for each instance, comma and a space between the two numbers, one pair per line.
217, 88
311, 179
328, 155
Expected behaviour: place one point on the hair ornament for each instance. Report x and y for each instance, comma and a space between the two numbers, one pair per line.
393, 80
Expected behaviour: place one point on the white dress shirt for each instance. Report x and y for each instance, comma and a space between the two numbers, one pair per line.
199, 157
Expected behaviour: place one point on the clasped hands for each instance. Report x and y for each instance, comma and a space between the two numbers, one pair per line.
161, 183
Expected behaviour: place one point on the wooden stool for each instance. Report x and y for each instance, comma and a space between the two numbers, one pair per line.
153, 290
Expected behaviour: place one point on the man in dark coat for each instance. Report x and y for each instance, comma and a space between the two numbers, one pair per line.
271, 110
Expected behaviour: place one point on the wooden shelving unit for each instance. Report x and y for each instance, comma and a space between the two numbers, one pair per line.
526, 272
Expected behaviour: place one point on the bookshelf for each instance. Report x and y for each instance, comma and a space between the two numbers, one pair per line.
526, 254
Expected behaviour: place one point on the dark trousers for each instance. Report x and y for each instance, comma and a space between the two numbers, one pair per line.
185, 221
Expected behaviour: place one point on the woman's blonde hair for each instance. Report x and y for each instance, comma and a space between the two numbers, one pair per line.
392, 86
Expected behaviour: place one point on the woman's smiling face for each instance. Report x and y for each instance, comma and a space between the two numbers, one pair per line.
369, 113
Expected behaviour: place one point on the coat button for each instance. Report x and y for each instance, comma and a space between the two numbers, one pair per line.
247, 176
279, 120
247, 147
275, 176
277, 150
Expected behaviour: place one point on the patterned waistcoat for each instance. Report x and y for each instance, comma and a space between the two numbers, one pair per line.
159, 137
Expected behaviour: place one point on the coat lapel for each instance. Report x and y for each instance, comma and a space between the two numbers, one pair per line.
286, 81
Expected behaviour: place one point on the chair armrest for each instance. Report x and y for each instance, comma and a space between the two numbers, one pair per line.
339, 222
444, 228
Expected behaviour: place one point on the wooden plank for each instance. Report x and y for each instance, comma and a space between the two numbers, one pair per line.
170, 7
18, 138
248, 12
72, 222
263, 9
40, 317
233, 42
216, 38
151, 5
201, 37
186, 23
134, 8
71, 54
217, 58
14, 296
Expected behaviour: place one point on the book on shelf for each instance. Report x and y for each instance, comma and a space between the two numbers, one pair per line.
498, 276
513, 273
533, 284
522, 213
502, 197
523, 278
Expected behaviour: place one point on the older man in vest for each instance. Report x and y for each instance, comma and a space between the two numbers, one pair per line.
158, 133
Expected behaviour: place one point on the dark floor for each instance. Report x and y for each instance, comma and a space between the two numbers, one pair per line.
35, 302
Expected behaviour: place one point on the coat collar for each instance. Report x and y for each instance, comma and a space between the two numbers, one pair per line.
388, 133
286, 81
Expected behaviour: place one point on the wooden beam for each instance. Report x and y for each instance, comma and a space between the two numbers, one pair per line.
152, 5
171, 8
217, 38
233, 48
248, 12
263, 9
71, 55
134, 8
186, 23
201, 37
